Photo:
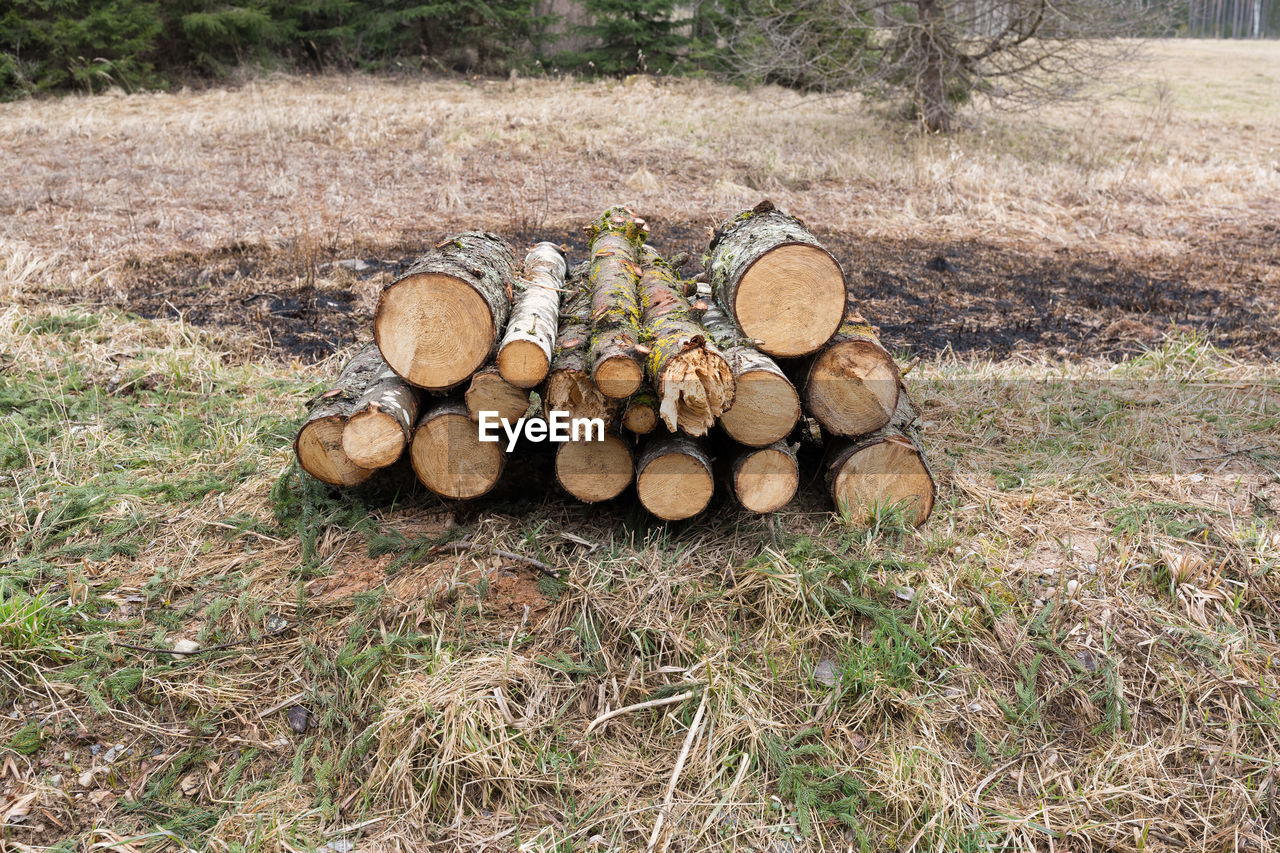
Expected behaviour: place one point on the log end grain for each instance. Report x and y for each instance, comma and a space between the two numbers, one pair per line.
523, 363
320, 453
852, 388
433, 329
450, 459
791, 299
865, 479
766, 408
594, 471
489, 392
618, 376
766, 480
674, 479
373, 438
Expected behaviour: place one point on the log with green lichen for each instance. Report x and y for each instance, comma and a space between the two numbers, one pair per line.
569, 387
640, 413
852, 385
691, 377
782, 288
612, 280
883, 473
766, 406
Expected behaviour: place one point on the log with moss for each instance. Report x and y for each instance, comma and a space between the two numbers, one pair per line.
851, 385
594, 471
381, 421
674, 477
613, 280
489, 392
438, 323
766, 406
886, 471
765, 479
687, 371
783, 289
569, 387
448, 455
640, 414
524, 356
318, 444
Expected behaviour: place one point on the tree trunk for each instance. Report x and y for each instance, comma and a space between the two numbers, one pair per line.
674, 478
489, 392
594, 471
318, 444
569, 386
524, 357
381, 421
449, 457
885, 469
765, 479
851, 386
615, 303
781, 287
691, 377
765, 406
931, 84
641, 412
437, 323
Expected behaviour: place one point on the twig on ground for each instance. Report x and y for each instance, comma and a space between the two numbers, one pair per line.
675, 774
245, 641
639, 706
468, 545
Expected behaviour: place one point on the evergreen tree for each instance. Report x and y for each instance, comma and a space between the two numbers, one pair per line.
632, 35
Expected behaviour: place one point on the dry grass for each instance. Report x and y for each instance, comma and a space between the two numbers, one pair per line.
1076, 653
1190, 145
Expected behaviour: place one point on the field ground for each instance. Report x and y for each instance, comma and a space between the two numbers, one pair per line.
1076, 653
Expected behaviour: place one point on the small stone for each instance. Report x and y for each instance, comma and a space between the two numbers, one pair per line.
1072, 586
185, 647
298, 718
85, 779
1087, 660
825, 673
975, 707
353, 264
55, 780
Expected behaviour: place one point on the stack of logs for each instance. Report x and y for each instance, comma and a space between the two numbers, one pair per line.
712, 380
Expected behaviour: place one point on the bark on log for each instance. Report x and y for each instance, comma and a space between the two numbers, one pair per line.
594, 471
693, 380
489, 392
851, 385
765, 406
524, 357
318, 444
449, 457
765, 479
782, 288
640, 415
569, 386
437, 323
381, 421
613, 280
674, 477
886, 468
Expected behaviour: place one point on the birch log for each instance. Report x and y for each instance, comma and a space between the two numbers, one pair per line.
524, 356
766, 406
381, 421
318, 444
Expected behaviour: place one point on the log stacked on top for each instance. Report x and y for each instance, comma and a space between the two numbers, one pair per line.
694, 385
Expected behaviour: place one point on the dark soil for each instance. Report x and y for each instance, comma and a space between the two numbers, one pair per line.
972, 298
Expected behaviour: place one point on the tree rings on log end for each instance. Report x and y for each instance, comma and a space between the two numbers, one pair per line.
434, 330
791, 299
594, 471
865, 479
320, 453
852, 388
449, 457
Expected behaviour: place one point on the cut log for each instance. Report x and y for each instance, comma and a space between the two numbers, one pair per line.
674, 478
524, 357
437, 323
489, 392
765, 479
851, 385
318, 444
594, 471
381, 421
765, 406
449, 457
777, 282
569, 386
885, 469
613, 280
692, 379
641, 412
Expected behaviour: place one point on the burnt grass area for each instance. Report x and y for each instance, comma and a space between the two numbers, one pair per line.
972, 298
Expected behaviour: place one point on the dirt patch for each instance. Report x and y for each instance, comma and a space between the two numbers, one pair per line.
973, 298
